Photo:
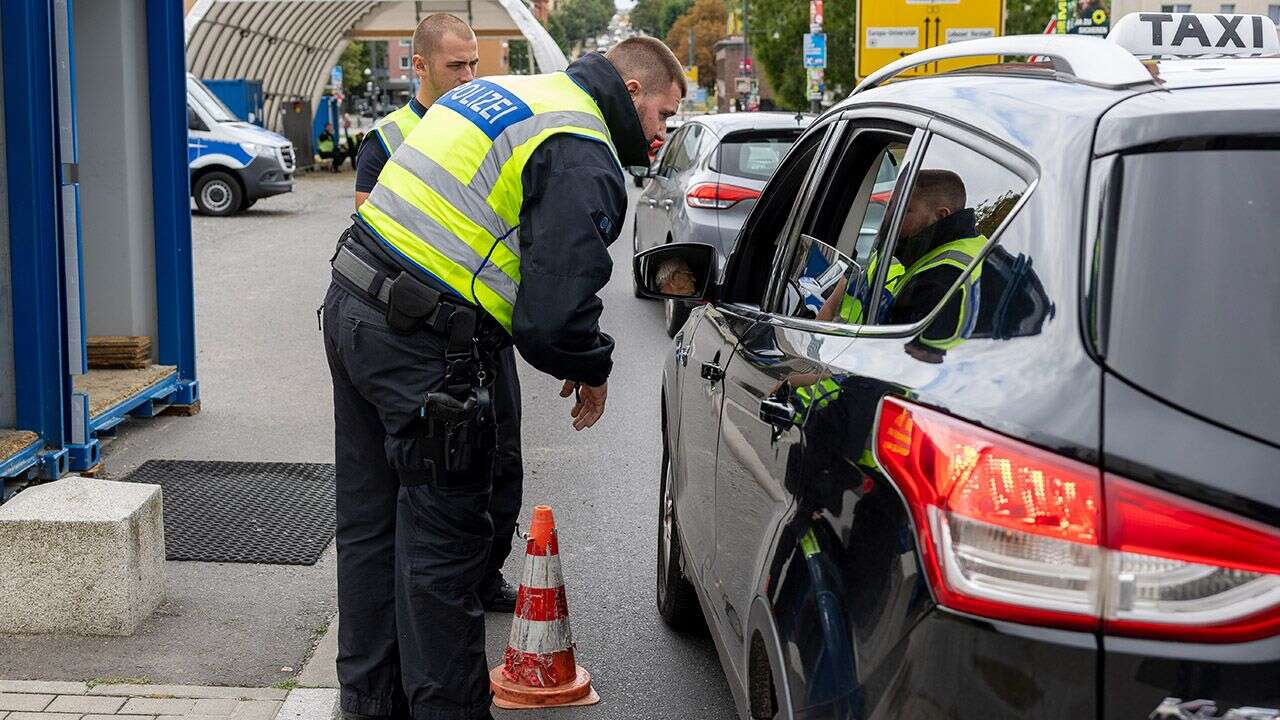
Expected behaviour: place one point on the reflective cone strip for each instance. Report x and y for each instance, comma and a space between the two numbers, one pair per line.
540, 651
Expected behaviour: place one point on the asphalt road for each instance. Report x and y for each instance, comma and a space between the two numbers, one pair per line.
266, 397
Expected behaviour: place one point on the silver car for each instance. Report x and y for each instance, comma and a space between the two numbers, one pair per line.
705, 181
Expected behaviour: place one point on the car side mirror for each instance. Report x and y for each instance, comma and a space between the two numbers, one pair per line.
676, 271
642, 172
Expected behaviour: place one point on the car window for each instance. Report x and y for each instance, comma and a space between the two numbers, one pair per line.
670, 149
1191, 312
748, 272
754, 155
685, 151
833, 254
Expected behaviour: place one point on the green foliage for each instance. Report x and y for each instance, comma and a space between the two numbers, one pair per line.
354, 59
993, 212
707, 20
573, 21
777, 29
655, 17
518, 62
1028, 17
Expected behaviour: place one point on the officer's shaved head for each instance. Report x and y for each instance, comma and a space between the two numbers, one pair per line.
941, 189
648, 60
434, 27
654, 79
444, 55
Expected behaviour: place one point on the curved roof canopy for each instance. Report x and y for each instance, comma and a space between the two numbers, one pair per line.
292, 44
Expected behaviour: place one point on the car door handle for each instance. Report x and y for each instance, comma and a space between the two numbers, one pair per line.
712, 372
778, 413
666, 204
651, 202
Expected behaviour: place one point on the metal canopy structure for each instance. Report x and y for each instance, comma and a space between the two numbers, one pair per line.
290, 45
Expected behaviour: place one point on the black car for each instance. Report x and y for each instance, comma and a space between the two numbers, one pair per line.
1015, 453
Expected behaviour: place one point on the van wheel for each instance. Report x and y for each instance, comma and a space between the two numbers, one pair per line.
217, 193
676, 313
677, 602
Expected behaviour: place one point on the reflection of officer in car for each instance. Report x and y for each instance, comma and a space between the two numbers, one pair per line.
937, 241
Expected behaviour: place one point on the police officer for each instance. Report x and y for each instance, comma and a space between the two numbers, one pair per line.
444, 57
489, 225
937, 241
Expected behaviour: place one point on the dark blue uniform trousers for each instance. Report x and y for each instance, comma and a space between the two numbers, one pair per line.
411, 558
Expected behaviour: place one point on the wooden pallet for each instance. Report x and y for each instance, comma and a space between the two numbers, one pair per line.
107, 388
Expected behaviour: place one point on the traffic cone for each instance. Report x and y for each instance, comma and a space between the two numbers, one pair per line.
539, 668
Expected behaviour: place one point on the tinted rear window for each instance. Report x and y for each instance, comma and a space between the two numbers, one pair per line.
754, 155
1195, 292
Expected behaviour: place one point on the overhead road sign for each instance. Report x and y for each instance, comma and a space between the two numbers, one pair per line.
889, 30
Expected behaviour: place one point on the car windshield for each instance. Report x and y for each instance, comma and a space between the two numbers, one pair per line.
210, 102
755, 155
1194, 292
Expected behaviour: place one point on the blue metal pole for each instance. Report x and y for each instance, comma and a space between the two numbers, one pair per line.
171, 190
43, 380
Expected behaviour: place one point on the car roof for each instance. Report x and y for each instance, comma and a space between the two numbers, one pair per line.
723, 123
1012, 102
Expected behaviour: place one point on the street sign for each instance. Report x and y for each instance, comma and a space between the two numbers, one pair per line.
335, 77
691, 74
892, 29
815, 50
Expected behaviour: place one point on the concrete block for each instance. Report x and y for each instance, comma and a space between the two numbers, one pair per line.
215, 708
17, 701
309, 704
82, 556
256, 710
156, 706
85, 704
42, 687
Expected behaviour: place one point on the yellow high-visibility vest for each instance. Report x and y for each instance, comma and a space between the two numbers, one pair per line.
394, 128
448, 200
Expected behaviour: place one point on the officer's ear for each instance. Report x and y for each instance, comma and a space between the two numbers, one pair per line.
634, 87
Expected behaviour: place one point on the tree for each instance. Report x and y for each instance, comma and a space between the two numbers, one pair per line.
354, 59
655, 17
1028, 17
518, 62
777, 29
706, 19
573, 21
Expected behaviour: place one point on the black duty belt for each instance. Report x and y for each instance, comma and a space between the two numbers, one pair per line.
407, 302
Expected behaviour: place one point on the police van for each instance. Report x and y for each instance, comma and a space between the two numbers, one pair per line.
995, 433
233, 163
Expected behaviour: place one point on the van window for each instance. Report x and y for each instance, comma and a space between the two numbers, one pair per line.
1193, 290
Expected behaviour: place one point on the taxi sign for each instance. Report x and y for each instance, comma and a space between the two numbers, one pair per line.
889, 30
1191, 34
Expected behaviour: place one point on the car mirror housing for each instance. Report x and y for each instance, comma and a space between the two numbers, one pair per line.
640, 171
676, 271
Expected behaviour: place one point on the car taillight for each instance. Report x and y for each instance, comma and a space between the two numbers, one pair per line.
1012, 532
718, 196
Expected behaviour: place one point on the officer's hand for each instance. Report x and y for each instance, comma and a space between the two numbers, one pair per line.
590, 402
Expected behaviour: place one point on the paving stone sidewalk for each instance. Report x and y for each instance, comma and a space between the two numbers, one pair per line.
38, 700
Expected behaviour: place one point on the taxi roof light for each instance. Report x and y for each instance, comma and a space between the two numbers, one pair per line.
1159, 34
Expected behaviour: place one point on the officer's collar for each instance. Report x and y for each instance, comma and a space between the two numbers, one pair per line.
601, 80
955, 226
418, 108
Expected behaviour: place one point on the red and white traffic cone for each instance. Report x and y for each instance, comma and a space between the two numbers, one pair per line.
539, 668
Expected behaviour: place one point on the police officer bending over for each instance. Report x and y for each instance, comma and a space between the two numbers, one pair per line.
489, 225
444, 57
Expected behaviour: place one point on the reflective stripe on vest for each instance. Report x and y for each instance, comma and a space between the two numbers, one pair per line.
851, 307
394, 128
449, 197
958, 254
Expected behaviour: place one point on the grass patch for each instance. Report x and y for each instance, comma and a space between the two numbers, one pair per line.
290, 684
111, 680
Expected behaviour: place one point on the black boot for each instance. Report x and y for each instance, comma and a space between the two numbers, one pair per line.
498, 595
